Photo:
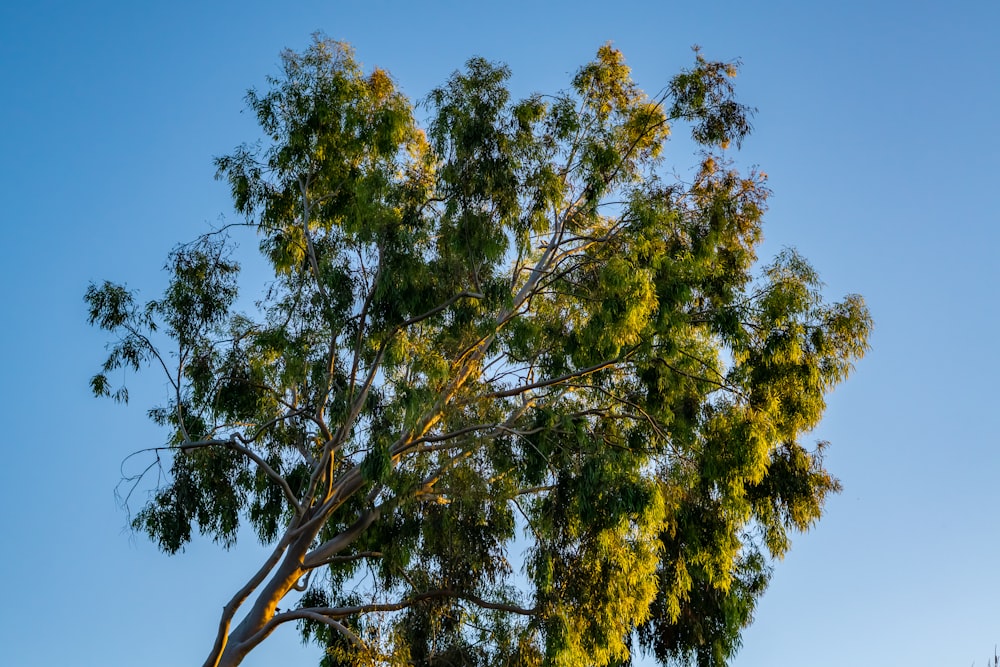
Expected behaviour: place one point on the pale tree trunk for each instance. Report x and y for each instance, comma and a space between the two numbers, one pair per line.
250, 631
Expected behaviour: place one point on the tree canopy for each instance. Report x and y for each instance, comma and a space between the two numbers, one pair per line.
516, 393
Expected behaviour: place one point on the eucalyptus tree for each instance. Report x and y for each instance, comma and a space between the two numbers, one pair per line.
514, 394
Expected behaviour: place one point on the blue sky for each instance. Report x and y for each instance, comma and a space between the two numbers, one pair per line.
876, 124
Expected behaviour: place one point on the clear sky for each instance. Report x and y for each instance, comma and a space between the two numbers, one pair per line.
877, 125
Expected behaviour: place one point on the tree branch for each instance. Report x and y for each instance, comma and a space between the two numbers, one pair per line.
328, 549
557, 380
345, 612
250, 454
229, 611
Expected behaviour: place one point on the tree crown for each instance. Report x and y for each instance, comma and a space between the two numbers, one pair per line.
509, 331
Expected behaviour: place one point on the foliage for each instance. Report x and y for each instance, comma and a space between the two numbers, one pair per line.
510, 335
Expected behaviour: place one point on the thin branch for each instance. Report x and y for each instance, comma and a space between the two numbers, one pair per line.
535, 489
645, 416
313, 615
450, 435
384, 607
253, 456
557, 380
437, 309
362, 317
527, 519
698, 378
351, 558
331, 547
311, 249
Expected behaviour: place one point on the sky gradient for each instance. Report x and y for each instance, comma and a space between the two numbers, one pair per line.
876, 124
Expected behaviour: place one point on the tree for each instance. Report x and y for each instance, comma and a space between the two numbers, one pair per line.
514, 396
